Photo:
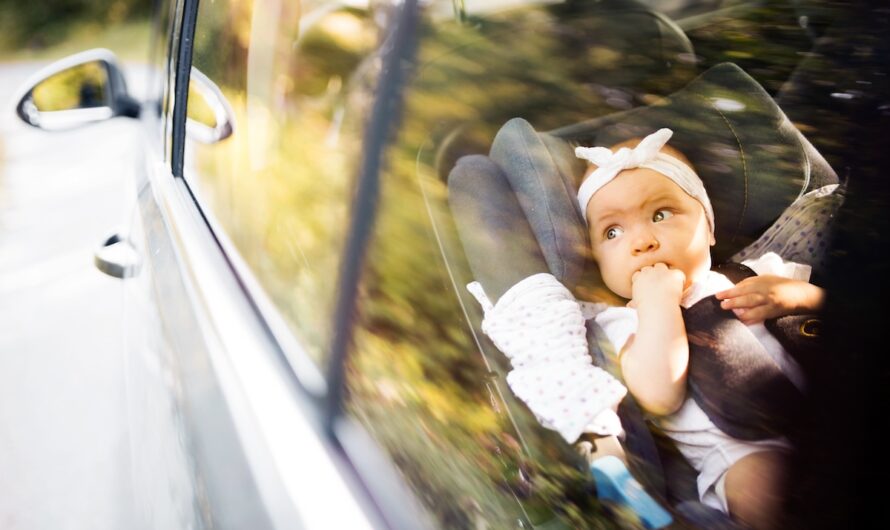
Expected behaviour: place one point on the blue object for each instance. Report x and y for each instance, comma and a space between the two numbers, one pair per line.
615, 483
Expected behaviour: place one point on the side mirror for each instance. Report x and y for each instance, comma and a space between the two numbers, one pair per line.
210, 118
80, 89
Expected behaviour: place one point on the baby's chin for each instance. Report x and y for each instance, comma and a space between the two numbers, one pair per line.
622, 292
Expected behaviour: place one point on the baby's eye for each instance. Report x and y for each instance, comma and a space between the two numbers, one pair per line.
614, 232
661, 215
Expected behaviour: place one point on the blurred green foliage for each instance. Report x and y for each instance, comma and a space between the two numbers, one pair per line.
281, 188
38, 25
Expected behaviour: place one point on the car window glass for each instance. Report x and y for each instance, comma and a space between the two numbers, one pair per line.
421, 376
298, 78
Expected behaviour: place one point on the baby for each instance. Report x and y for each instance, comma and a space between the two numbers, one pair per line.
651, 227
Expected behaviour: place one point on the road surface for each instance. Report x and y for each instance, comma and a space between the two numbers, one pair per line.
64, 447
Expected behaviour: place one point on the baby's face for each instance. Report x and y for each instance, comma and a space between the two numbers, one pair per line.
641, 218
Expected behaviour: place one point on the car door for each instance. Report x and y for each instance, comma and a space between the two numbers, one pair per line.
242, 221
166, 483
312, 304
268, 236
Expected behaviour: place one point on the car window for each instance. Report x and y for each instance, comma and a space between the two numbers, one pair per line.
422, 377
298, 78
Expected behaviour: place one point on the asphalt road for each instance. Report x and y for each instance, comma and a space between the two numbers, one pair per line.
64, 446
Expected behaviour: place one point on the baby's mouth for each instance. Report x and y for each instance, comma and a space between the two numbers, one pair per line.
653, 264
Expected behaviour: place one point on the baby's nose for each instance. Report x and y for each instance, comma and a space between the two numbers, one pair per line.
645, 242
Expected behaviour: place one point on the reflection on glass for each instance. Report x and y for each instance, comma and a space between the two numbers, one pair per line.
298, 85
199, 109
79, 87
434, 397
210, 116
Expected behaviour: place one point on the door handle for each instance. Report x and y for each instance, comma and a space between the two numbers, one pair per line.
117, 258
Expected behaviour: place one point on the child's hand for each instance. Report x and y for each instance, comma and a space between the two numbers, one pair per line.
758, 298
657, 283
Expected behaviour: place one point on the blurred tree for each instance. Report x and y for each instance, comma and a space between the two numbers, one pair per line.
40, 24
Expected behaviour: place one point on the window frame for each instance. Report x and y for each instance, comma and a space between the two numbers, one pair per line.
182, 58
365, 460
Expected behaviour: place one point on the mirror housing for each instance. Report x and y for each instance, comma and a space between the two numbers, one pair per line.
210, 117
83, 88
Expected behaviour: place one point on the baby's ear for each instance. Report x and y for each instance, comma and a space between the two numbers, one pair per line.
713, 240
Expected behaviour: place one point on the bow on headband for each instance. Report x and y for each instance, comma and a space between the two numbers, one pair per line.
647, 155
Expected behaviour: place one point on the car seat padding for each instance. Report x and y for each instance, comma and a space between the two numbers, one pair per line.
752, 159
541, 173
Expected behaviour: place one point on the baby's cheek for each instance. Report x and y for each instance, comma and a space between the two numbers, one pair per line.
612, 272
618, 282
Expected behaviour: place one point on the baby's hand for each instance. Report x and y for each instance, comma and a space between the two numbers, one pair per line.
758, 298
657, 283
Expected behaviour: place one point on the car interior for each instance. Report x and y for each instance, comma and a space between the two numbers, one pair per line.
504, 168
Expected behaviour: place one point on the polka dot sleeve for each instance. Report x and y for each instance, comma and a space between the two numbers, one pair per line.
540, 327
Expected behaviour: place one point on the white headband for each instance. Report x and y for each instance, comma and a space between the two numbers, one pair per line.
647, 155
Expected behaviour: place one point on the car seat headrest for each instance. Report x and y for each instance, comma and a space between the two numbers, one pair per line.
541, 170
753, 161
583, 59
